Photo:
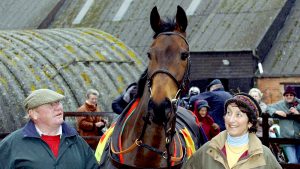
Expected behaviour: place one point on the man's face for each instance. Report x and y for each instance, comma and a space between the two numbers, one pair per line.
50, 114
289, 98
92, 99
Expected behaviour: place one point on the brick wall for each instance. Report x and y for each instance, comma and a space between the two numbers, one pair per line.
273, 88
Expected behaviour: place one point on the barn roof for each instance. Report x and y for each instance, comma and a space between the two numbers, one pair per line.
24, 14
69, 61
215, 25
283, 60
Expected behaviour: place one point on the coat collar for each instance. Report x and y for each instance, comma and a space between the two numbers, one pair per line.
217, 151
29, 130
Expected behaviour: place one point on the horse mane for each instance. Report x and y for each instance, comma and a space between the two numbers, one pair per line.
166, 26
141, 83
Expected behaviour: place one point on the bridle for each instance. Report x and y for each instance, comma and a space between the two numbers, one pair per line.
182, 85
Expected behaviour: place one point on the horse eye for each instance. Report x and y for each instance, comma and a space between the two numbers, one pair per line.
185, 55
148, 55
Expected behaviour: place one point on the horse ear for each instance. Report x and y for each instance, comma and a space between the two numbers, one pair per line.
181, 19
155, 20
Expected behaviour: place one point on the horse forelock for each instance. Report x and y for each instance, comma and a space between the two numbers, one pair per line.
166, 26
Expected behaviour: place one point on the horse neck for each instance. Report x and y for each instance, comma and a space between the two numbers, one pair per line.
154, 135
136, 121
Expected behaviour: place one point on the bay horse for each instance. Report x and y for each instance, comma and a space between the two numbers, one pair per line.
153, 132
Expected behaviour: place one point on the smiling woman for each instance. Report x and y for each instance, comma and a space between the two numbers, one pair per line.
237, 146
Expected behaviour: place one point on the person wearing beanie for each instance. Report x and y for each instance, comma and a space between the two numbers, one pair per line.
237, 146
216, 97
288, 128
45, 141
90, 125
210, 128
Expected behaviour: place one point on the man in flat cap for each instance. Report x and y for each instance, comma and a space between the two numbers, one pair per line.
46, 141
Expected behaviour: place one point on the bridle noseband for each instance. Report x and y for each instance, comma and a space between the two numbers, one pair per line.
183, 83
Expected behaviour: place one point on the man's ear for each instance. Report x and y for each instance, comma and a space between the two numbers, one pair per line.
32, 114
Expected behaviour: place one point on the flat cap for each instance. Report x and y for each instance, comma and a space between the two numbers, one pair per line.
40, 97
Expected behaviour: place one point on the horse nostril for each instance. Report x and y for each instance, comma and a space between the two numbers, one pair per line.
161, 112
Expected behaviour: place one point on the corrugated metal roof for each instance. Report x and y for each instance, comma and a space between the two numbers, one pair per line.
236, 25
134, 27
24, 14
69, 61
217, 25
283, 59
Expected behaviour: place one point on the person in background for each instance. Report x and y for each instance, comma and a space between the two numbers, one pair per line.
210, 128
237, 146
90, 125
120, 103
257, 95
184, 102
46, 141
288, 128
216, 97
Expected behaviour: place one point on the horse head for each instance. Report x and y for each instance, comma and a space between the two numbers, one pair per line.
168, 68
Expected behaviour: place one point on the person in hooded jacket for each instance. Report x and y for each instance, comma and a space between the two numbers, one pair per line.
216, 97
210, 128
237, 147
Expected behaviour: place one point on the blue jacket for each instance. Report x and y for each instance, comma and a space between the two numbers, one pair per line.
24, 148
216, 100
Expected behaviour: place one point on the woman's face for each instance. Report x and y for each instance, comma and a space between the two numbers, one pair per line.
203, 111
236, 122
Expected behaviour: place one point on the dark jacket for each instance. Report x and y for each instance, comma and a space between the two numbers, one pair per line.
216, 100
119, 104
24, 148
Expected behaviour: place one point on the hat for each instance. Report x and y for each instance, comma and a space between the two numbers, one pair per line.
194, 91
214, 82
202, 103
40, 97
246, 101
289, 89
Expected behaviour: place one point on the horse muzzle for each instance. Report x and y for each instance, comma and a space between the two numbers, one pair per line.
161, 113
